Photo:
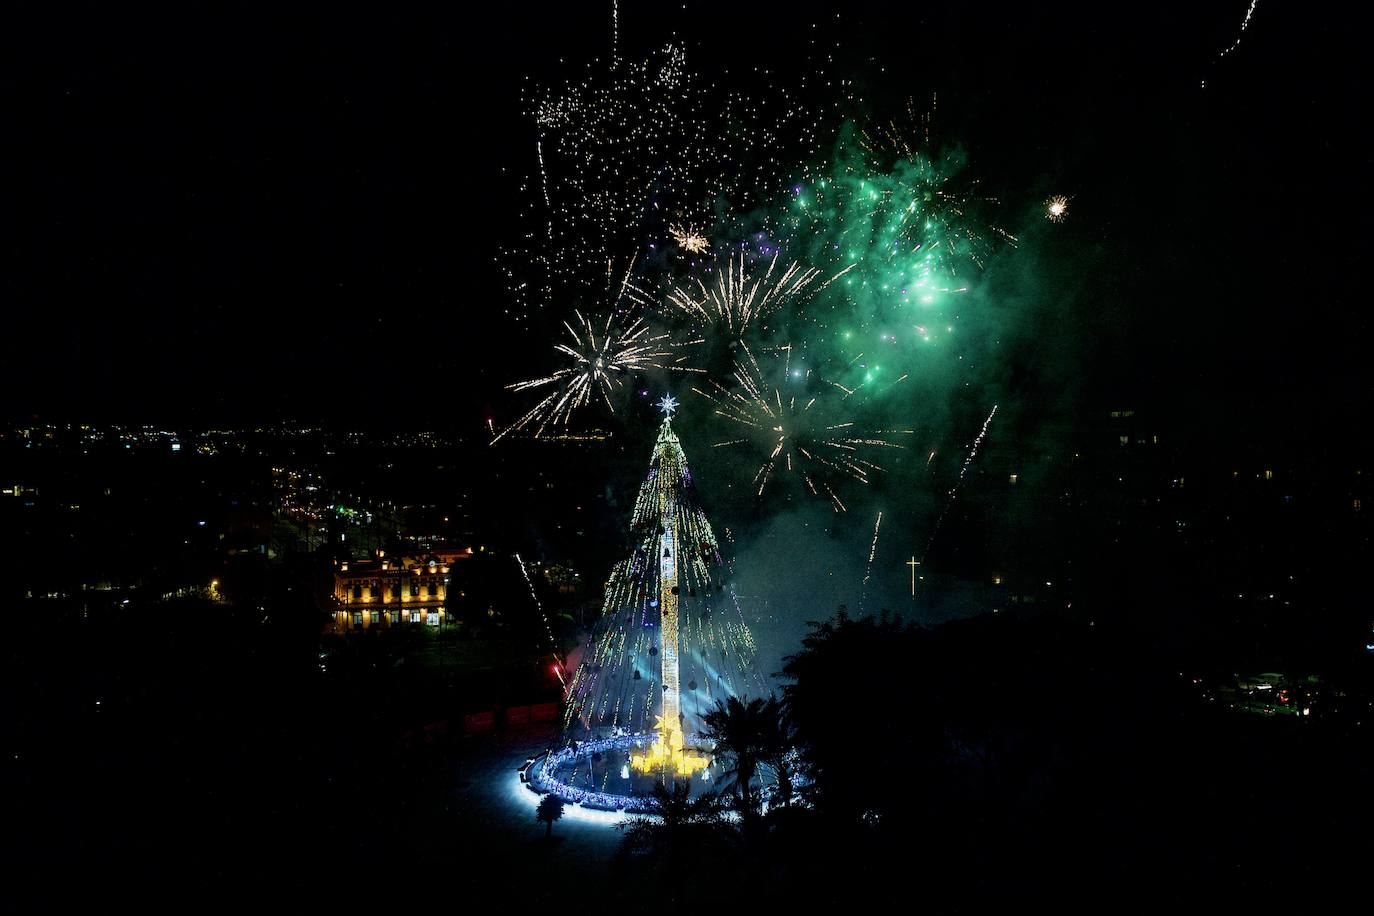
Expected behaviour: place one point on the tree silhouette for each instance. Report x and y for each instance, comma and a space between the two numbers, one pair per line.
860, 704
745, 732
686, 833
778, 751
550, 809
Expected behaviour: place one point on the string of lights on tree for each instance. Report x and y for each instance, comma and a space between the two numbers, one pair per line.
675, 560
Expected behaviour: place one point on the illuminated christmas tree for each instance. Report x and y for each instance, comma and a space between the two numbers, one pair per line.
672, 639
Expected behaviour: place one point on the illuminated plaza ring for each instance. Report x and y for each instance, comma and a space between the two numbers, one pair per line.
597, 774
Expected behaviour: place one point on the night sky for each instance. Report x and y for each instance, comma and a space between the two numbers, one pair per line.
245, 215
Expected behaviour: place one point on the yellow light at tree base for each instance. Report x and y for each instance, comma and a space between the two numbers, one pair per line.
668, 753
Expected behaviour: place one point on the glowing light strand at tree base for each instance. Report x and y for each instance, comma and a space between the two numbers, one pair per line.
669, 755
551, 774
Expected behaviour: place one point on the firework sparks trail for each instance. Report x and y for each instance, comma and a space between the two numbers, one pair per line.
548, 630
737, 302
796, 440
598, 359
873, 549
954, 490
1244, 24
973, 452
544, 182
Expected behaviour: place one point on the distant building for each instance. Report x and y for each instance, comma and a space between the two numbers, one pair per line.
386, 592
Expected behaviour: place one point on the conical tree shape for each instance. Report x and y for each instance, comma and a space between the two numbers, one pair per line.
672, 639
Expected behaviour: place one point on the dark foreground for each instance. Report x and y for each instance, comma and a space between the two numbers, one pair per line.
990, 761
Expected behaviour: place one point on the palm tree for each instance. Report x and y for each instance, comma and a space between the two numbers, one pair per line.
778, 750
550, 809
685, 835
675, 812
744, 733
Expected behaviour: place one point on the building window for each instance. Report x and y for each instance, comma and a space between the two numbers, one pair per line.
357, 618
414, 616
357, 592
376, 617
414, 589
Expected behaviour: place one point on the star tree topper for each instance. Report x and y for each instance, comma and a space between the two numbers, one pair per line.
667, 404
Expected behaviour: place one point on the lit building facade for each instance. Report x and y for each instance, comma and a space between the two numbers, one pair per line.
386, 592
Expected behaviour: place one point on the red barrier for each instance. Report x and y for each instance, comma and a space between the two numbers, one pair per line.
479, 721
511, 715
